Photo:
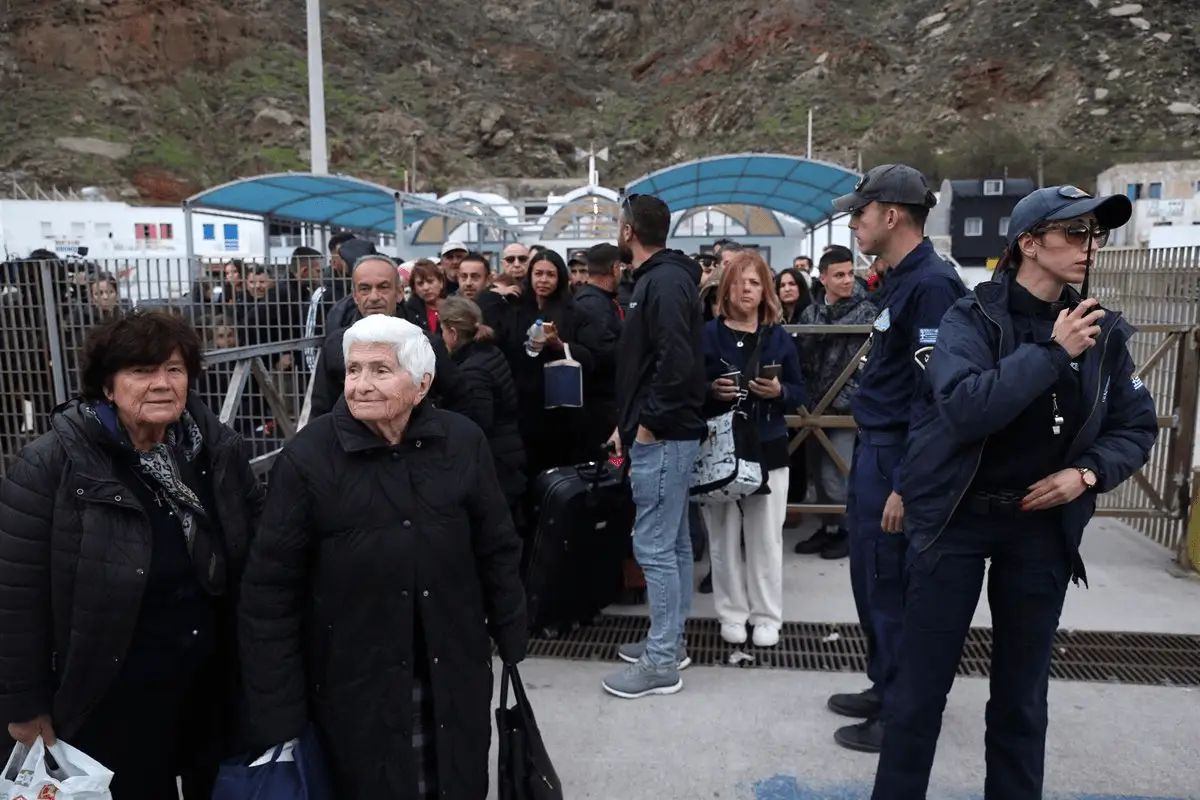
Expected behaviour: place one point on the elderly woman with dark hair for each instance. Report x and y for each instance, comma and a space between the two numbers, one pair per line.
386, 557
123, 532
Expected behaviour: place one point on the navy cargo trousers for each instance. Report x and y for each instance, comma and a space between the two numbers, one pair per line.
876, 558
1027, 583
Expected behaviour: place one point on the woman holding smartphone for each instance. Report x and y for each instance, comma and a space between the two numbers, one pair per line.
750, 358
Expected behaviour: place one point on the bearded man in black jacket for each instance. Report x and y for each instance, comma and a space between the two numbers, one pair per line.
661, 387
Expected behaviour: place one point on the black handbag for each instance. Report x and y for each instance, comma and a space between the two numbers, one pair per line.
524, 771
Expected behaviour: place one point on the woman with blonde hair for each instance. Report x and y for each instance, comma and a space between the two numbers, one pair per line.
752, 365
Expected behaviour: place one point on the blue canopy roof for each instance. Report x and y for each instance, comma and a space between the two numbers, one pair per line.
335, 200
799, 187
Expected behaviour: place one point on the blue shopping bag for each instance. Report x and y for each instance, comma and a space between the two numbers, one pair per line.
563, 382
295, 770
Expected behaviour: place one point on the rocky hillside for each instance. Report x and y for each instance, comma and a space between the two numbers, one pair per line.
155, 98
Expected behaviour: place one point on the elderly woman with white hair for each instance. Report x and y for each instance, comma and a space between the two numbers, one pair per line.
385, 558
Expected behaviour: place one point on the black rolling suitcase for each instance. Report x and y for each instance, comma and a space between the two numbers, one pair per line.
581, 521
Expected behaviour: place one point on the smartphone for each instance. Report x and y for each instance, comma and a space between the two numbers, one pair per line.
770, 371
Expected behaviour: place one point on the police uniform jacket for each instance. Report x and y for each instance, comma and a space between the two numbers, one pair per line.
981, 380
915, 295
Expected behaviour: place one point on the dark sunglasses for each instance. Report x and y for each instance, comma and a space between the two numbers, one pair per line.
1077, 234
516, 259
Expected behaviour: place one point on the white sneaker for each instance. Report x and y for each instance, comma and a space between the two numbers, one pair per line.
765, 636
734, 634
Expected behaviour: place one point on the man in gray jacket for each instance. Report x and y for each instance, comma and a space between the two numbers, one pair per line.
823, 357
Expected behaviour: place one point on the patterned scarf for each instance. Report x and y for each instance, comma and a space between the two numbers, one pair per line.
158, 467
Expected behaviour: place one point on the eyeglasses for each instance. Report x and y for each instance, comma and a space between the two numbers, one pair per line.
1077, 234
516, 259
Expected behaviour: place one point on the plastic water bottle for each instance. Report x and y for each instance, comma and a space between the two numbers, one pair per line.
536, 333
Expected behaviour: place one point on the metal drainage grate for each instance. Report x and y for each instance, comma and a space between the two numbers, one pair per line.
1152, 659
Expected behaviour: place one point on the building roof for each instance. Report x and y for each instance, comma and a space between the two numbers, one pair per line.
334, 200
799, 187
1013, 187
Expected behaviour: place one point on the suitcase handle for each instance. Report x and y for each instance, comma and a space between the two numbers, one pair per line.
594, 471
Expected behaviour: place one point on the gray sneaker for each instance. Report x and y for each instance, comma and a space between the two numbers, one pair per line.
641, 680
632, 653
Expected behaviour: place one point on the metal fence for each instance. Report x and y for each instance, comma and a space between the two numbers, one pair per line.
257, 325
256, 321
1159, 292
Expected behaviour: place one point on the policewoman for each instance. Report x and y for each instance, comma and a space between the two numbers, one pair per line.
888, 209
1036, 410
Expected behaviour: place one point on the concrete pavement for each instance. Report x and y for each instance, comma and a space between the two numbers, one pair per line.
745, 734
759, 734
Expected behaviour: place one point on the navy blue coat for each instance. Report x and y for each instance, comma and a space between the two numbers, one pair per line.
915, 294
721, 351
981, 382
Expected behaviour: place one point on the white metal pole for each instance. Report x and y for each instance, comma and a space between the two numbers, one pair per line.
316, 91
810, 126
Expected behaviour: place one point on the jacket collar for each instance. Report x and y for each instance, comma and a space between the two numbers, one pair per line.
664, 256
72, 425
993, 298
918, 255
355, 437
591, 288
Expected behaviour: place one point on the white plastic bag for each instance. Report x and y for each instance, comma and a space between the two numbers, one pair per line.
15, 762
285, 754
68, 775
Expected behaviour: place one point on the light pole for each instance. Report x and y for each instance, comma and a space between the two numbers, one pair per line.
316, 92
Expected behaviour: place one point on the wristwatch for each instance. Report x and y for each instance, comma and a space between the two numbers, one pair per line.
1089, 477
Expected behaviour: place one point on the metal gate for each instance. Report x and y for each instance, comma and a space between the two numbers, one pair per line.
1158, 291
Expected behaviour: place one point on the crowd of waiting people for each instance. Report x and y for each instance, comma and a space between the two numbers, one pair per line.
151, 584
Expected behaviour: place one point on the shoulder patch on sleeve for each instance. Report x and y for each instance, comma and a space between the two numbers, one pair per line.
922, 356
1137, 384
883, 321
927, 335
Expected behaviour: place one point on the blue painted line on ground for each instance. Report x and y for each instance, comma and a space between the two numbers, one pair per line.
787, 787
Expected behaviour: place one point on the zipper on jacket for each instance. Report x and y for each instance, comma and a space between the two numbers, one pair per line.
1099, 390
982, 445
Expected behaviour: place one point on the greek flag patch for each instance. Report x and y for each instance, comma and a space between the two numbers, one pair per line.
927, 336
1137, 384
883, 321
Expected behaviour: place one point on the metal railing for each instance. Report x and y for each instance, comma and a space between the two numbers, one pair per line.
260, 347
255, 321
1158, 291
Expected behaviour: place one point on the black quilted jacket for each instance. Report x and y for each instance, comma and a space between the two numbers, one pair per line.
74, 556
492, 405
376, 564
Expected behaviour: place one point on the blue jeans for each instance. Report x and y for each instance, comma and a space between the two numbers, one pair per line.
876, 558
659, 477
1026, 585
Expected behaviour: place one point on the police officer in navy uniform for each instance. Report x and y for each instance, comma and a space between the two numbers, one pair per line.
1036, 410
888, 210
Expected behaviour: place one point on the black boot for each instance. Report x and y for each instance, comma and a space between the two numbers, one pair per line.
864, 705
814, 544
837, 546
865, 737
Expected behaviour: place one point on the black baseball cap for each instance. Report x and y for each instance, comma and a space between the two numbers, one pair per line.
888, 183
1066, 202
577, 257
354, 249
